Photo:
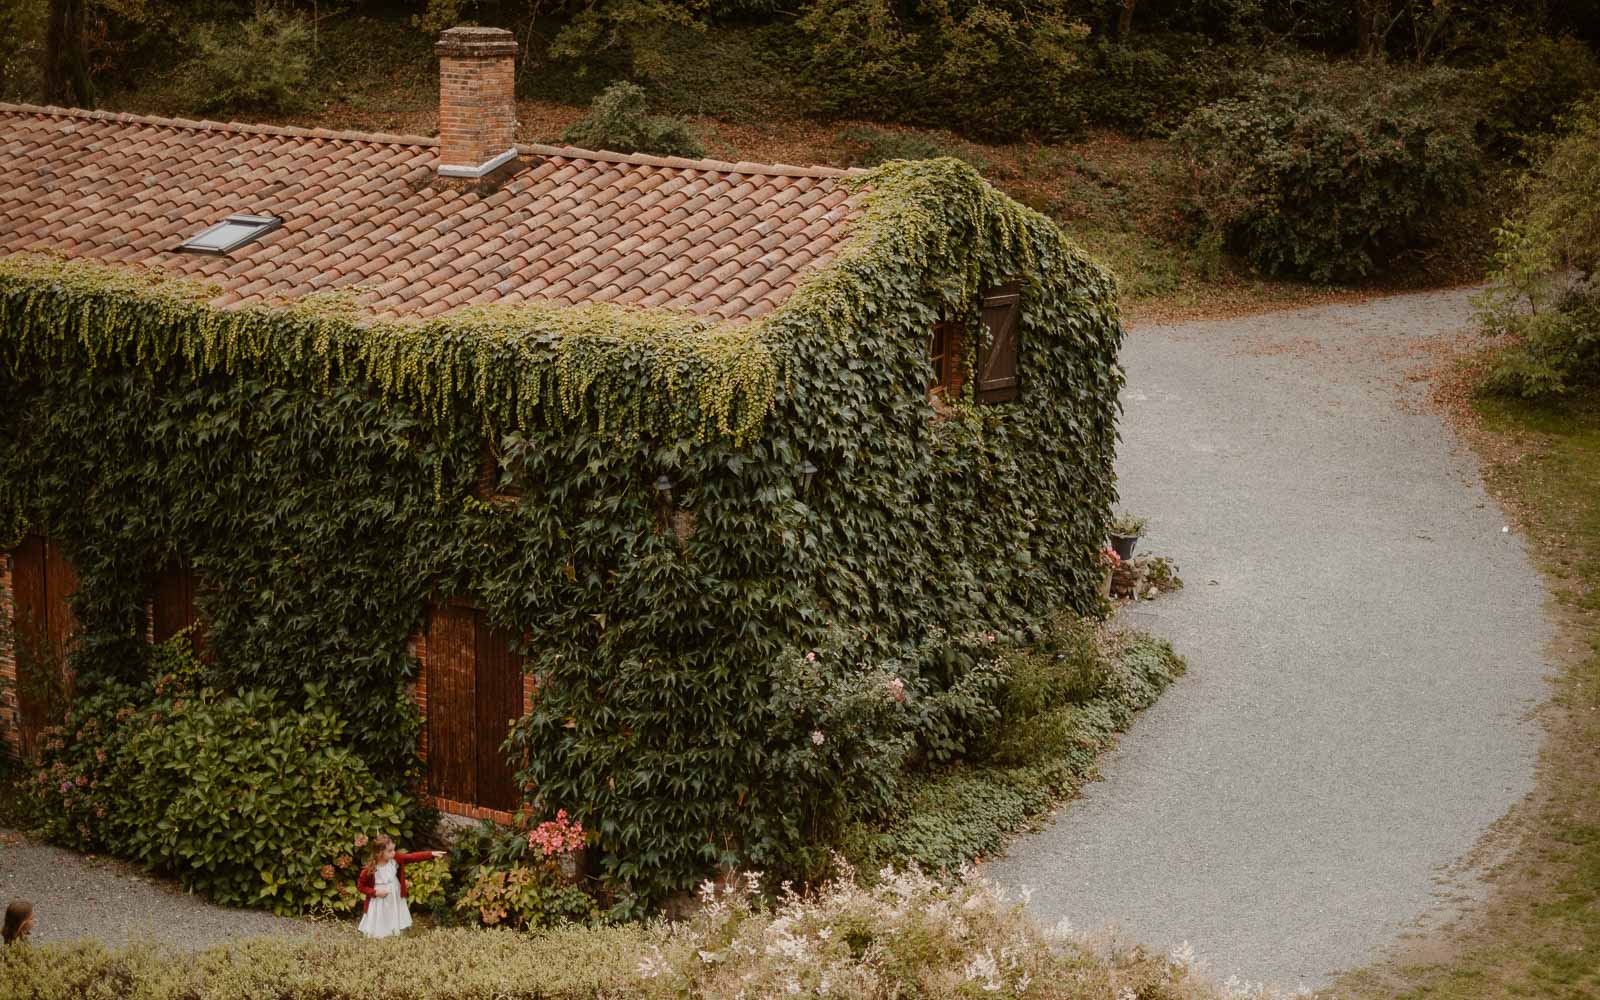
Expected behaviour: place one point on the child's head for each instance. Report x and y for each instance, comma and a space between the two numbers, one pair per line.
19, 920
382, 849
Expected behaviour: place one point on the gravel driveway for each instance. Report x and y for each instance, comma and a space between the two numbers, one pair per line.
76, 897
1365, 647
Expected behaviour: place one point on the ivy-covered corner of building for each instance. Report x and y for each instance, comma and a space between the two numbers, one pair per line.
685, 509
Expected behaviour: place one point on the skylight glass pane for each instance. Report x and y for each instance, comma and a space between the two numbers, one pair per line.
223, 236
230, 234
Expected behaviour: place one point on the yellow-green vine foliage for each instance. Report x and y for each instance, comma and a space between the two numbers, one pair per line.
316, 471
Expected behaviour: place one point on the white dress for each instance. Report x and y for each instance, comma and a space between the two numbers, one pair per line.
389, 915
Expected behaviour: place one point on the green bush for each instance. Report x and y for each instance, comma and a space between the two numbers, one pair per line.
1149, 86
240, 798
263, 64
618, 120
1330, 172
995, 69
1060, 701
1526, 92
1543, 294
865, 146
525, 897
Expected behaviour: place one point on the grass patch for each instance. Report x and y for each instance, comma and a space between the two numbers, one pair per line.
1066, 698
1539, 934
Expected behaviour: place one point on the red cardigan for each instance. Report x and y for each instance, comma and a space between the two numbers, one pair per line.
364, 881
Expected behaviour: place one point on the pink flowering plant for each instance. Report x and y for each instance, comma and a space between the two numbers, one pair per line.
559, 836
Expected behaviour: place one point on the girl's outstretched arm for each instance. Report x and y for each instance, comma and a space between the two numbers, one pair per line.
413, 857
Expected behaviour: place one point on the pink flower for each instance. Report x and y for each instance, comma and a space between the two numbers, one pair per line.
897, 689
66, 786
361, 840
811, 657
327, 872
817, 739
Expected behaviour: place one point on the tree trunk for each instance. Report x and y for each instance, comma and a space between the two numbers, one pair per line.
1372, 18
66, 63
1125, 21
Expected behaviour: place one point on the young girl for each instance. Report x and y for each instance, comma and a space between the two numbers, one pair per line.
383, 882
19, 921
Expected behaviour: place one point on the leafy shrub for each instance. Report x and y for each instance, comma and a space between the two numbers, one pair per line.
1330, 172
1149, 86
525, 897
996, 69
1543, 293
1526, 92
906, 936
263, 64
428, 884
618, 121
1061, 700
241, 799
538, 892
865, 146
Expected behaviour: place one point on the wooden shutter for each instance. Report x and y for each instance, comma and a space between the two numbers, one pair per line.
42, 581
452, 704
998, 377
499, 703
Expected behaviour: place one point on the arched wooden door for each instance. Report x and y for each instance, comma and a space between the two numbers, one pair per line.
475, 691
42, 581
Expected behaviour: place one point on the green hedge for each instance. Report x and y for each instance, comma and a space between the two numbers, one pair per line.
908, 936
1331, 172
317, 473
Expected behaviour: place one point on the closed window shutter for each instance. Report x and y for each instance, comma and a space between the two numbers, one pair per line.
998, 376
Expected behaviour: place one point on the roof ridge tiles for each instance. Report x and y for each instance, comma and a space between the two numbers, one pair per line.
539, 149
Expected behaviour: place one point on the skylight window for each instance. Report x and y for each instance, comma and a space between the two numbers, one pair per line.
231, 233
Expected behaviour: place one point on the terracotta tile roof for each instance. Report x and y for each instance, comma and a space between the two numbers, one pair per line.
362, 211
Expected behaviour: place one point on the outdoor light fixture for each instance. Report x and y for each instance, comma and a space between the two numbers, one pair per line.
807, 472
664, 487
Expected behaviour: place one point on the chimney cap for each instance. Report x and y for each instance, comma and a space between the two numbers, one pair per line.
471, 42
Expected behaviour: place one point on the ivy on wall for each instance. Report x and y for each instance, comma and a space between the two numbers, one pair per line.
316, 471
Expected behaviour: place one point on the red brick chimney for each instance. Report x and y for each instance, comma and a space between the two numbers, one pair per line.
477, 110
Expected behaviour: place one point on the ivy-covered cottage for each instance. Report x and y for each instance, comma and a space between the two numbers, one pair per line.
547, 465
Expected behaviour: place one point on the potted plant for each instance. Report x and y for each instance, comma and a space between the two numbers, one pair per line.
1125, 530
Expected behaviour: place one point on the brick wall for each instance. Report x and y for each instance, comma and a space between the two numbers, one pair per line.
477, 101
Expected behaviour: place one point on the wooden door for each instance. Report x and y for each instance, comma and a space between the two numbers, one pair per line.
499, 705
452, 704
474, 685
42, 582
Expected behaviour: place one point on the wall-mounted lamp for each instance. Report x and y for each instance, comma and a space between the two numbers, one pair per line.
807, 473
663, 487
